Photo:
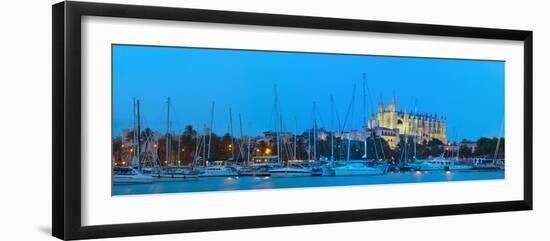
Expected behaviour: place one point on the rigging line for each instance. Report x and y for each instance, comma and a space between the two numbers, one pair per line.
349, 107
336, 114
372, 108
351, 124
286, 146
498, 143
320, 118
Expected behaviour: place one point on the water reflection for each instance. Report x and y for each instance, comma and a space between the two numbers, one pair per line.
247, 183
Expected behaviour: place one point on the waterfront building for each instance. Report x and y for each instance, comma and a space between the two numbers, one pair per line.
392, 124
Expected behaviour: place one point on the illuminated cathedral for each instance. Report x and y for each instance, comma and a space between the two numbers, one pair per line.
392, 125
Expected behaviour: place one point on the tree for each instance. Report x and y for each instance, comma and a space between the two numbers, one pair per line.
487, 146
465, 151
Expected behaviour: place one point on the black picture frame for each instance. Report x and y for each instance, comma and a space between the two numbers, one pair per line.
67, 135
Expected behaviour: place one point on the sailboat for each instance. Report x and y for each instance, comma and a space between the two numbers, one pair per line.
290, 170
355, 167
171, 172
214, 170
131, 174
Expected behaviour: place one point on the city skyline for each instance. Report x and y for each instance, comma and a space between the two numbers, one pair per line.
470, 93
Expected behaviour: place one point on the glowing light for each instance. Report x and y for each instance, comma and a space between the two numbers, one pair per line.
123, 163
122, 145
448, 172
183, 149
131, 149
229, 146
229, 178
257, 150
418, 172
266, 177
267, 151
155, 145
179, 162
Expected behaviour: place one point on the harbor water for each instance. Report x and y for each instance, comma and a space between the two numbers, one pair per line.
253, 183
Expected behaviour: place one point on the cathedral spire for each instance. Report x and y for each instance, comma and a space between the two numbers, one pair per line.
380, 105
393, 105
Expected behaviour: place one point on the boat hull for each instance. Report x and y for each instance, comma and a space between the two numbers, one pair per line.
218, 174
339, 172
290, 174
174, 177
131, 180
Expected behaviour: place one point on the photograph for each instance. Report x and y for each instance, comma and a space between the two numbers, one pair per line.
191, 119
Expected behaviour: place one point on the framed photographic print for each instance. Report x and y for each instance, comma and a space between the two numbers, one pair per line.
170, 120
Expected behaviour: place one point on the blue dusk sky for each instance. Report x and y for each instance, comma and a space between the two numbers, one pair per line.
470, 93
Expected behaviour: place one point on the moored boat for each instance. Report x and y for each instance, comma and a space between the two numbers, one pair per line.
357, 169
129, 175
216, 171
441, 164
485, 164
291, 171
174, 173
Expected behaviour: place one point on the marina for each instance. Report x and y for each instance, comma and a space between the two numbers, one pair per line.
252, 137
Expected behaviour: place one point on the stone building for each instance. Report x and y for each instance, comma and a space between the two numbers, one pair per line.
392, 124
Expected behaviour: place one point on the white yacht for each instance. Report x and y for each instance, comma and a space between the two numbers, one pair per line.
356, 169
486, 164
173, 173
129, 175
217, 171
290, 171
440, 164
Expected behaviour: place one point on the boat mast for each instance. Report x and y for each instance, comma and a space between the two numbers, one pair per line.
314, 133
276, 115
498, 145
309, 144
296, 131
241, 149
281, 128
415, 131
364, 118
168, 137
204, 148
231, 134
404, 151
138, 150
196, 154
332, 127
134, 137
179, 150
210, 130
351, 121
248, 148
458, 145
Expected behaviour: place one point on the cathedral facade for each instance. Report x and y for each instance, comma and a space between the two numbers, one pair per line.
393, 125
